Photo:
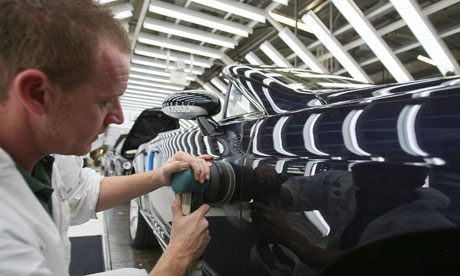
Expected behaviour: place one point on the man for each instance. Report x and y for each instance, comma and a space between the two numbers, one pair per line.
64, 66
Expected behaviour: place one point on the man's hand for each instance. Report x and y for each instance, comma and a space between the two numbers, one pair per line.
190, 234
189, 238
180, 162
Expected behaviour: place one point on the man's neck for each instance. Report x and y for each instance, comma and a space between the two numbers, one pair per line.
26, 159
19, 143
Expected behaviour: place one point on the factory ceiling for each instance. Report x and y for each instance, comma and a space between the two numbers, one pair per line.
184, 44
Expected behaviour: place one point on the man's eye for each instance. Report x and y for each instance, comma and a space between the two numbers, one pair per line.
109, 102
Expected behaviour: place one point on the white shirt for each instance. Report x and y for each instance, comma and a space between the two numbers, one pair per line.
31, 243
76, 191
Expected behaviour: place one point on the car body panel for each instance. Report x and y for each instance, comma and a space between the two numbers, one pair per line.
307, 145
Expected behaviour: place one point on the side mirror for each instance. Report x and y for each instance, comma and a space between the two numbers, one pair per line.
191, 104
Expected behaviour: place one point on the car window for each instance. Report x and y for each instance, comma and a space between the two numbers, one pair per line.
238, 104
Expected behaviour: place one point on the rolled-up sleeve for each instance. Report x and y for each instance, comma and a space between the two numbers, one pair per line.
82, 188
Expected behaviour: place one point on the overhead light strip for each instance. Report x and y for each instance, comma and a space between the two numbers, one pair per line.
235, 7
137, 97
172, 56
290, 22
274, 55
301, 51
190, 33
179, 45
136, 91
363, 27
199, 18
142, 76
139, 101
153, 84
122, 11
148, 77
253, 59
149, 70
219, 84
334, 46
151, 89
144, 96
171, 66
426, 34
426, 60
139, 106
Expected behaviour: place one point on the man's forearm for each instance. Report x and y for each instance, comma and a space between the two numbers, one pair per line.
171, 264
116, 190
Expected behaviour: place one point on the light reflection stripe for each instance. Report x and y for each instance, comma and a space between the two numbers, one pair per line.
406, 130
308, 136
278, 138
349, 133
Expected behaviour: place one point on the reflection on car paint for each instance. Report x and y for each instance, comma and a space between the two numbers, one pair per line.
321, 171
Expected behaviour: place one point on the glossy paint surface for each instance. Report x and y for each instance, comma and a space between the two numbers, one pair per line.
323, 171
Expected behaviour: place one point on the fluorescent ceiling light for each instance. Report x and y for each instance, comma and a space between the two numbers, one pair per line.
219, 84
145, 93
426, 34
145, 88
122, 11
142, 76
139, 97
139, 105
179, 45
334, 46
426, 60
290, 22
105, 1
235, 7
199, 18
153, 84
211, 88
155, 63
283, 2
172, 56
123, 15
253, 59
152, 96
363, 27
274, 55
301, 51
140, 101
187, 32
149, 71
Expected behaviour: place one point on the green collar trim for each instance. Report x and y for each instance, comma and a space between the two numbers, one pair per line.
40, 181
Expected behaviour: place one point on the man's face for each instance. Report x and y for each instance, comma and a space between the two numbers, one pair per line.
80, 115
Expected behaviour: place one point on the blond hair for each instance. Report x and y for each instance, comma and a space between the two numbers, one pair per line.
61, 38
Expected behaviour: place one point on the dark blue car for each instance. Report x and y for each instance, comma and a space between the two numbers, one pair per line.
332, 176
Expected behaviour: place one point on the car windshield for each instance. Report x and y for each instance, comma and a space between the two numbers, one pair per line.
310, 81
238, 104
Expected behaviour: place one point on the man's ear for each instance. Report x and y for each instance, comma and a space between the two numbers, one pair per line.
33, 87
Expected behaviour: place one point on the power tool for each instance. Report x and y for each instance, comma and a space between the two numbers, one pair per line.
218, 190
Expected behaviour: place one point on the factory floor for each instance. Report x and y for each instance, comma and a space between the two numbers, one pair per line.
121, 253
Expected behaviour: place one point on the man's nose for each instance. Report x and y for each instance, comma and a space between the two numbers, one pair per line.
116, 114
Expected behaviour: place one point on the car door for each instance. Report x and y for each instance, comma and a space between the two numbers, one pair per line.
301, 202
